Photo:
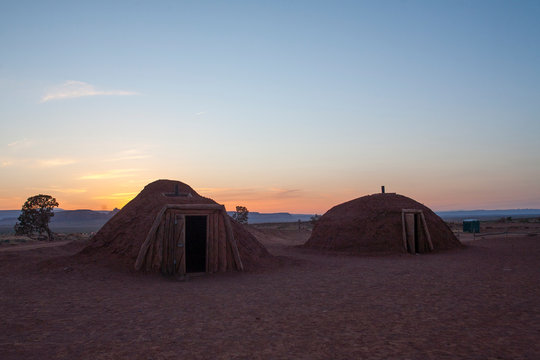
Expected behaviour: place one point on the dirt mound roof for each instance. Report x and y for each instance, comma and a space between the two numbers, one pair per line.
120, 239
373, 223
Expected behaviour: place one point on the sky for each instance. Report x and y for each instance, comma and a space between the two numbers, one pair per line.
274, 105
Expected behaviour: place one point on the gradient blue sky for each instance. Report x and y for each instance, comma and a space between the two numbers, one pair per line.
280, 105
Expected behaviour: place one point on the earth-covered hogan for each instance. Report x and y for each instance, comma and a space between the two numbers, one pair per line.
171, 229
382, 223
57, 306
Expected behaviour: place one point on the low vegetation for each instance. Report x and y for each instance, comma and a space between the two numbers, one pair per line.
35, 216
241, 214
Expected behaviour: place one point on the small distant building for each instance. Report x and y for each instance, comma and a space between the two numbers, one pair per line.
471, 225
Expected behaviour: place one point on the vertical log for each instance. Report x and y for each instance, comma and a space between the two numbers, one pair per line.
165, 262
148, 241
180, 244
150, 254
230, 258
222, 255
209, 242
158, 252
423, 245
231, 239
172, 235
409, 219
215, 239
404, 230
174, 240
221, 238
428, 236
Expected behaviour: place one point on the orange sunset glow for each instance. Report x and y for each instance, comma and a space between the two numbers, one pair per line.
279, 179
291, 119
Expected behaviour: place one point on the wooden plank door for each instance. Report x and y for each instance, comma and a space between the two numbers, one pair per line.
173, 260
416, 237
410, 229
179, 256
420, 236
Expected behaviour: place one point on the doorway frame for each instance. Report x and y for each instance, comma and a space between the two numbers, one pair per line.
424, 226
219, 230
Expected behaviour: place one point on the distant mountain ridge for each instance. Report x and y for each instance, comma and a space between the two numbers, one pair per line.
6, 214
488, 214
92, 220
63, 220
258, 218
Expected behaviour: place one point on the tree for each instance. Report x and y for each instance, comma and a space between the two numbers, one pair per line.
35, 215
241, 214
314, 219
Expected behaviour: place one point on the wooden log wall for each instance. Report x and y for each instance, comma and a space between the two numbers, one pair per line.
231, 239
164, 239
209, 241
219, 238
222, 254
409, 224
157, 259
414, 222
428, 235
150, 238
230, 257
160, 248
179, 243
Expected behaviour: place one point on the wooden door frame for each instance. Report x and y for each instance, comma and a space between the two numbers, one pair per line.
208, 210
183, 232
424, 226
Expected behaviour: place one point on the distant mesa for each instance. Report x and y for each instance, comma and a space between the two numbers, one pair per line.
259, 218
382, 223
175, 235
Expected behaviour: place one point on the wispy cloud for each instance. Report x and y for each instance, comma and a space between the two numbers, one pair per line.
116, 196
231, 194
12, 199
20, 143
59, 190
34, 163
111, 174
55, 162
285, 193
226, 194
132, 154
74, 89
200, 113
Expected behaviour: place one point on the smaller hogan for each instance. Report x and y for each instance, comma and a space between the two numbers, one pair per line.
382, 223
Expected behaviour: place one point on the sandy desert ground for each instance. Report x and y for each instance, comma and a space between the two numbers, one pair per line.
480, 302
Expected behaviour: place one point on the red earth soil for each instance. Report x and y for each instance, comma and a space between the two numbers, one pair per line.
478, 302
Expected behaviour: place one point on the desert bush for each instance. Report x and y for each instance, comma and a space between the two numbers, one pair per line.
314, 219
241, 214
35, 216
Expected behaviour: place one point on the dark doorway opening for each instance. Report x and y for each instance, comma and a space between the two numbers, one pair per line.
195, 244
416, 238
411, 232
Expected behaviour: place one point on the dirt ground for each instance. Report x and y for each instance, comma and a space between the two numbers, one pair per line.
480, 302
